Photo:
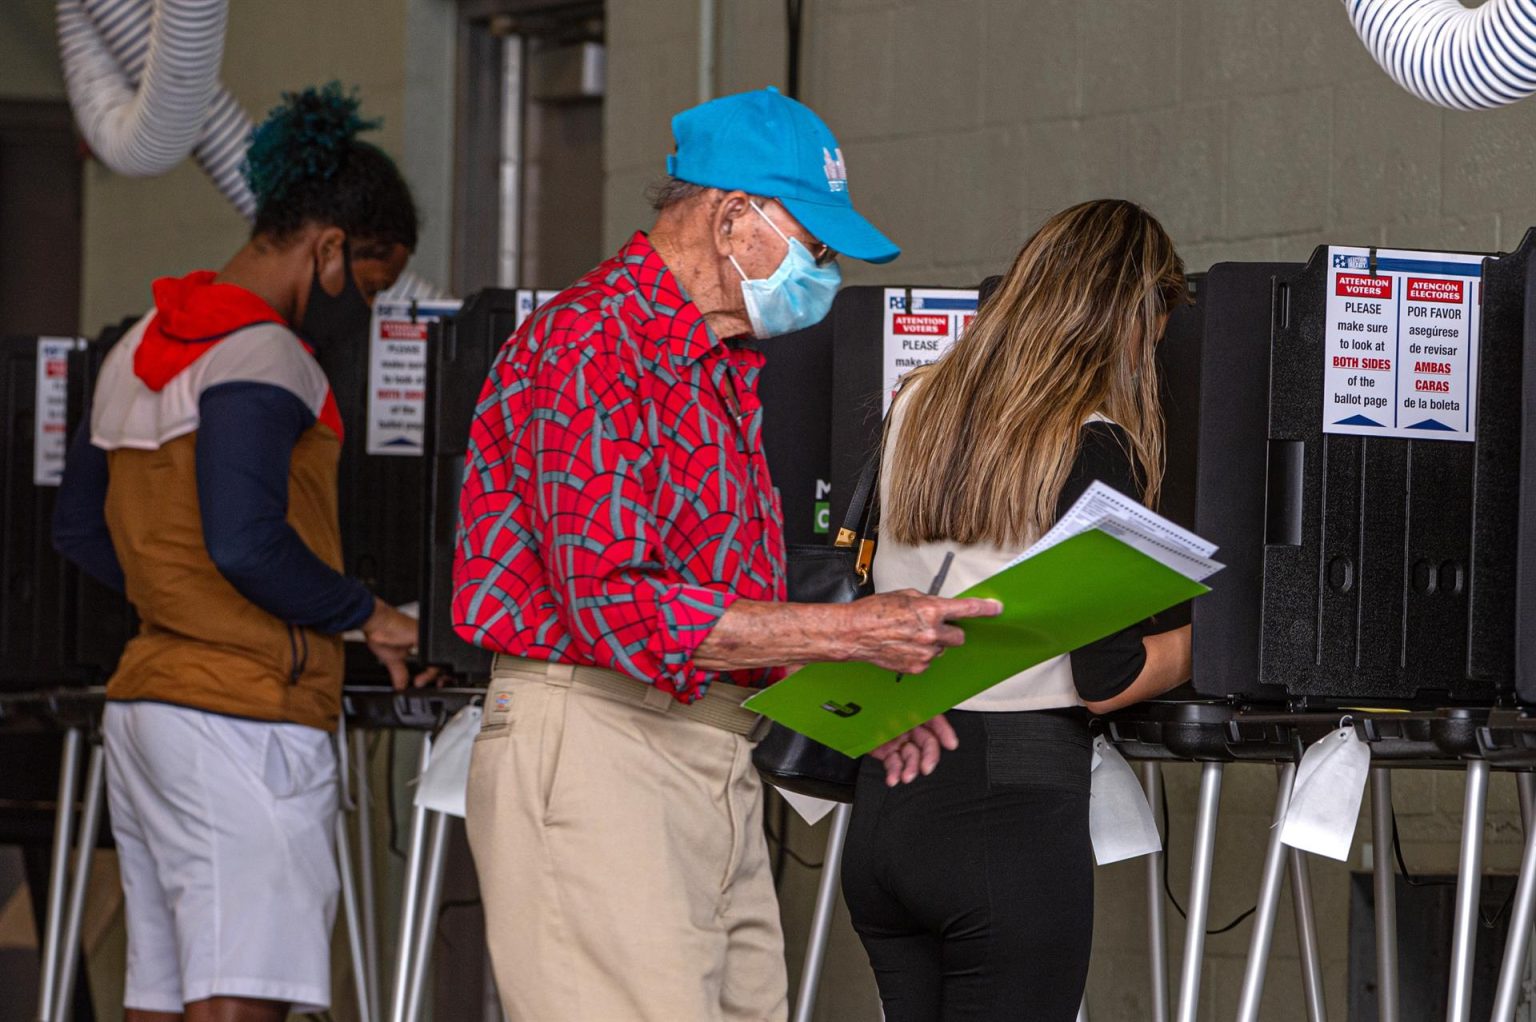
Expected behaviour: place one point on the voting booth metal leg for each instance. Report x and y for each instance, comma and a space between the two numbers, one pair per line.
1469, 875
1269, 903
90, 828
1199, 891
821, 921
1384, 880
58, 873
1306, 937
1522, 916
1157, 926
431, 901
411, 896
368, 893
354, 922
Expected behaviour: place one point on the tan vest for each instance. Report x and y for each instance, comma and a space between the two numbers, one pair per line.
201, 644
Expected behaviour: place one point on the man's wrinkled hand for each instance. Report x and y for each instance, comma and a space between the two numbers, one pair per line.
905, 630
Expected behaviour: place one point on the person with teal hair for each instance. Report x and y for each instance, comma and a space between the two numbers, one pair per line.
204, 487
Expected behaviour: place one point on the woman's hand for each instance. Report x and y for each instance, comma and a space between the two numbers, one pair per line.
916, 752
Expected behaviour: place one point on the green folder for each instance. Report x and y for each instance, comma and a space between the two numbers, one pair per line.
1079, 590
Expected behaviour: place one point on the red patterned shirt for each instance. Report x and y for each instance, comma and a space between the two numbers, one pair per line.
616, 499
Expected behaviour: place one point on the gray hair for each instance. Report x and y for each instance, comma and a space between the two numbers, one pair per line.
669, 192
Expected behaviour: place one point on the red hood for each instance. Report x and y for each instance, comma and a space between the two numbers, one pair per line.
192, 314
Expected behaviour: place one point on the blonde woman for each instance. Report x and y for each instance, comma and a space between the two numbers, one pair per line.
971, 885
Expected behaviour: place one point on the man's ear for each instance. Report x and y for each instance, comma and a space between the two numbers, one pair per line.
329, 251
724, 220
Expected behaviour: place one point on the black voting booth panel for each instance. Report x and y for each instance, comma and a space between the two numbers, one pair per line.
1228, 420
460, 352
796, 392
37, 611
106, 620
1388, 571
1525, 598
379, 497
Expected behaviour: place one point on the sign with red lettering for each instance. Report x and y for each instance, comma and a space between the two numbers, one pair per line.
49, 439
1353, 285
1421, 289
918, 335
397, 374
1400, 344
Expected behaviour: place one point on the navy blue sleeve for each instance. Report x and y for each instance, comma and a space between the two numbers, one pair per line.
245, 441
80, 512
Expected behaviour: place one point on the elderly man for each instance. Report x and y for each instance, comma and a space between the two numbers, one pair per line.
621, 548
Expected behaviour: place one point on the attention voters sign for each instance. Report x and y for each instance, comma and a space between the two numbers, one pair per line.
1400, 348
918, 335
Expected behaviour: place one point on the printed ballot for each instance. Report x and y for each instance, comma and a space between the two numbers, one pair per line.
1108, 563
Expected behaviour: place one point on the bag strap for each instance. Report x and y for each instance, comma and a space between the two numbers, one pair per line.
862, 520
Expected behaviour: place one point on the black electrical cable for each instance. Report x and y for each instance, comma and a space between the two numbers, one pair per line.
1488, 922
1168, 885
389, 785
794, 11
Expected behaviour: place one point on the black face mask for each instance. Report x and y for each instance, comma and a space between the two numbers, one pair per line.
340, 322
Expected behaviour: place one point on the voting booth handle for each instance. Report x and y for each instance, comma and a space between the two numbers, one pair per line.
1283, 501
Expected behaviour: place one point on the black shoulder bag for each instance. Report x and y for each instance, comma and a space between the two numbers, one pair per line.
838, 573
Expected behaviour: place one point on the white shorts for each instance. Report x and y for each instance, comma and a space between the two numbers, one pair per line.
225, 837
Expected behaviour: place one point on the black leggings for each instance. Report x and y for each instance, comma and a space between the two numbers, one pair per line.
972, 888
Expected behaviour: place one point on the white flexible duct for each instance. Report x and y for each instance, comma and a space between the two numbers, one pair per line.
1449, 55
107, 46
146, 130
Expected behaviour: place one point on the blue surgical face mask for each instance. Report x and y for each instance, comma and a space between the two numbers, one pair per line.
796, 295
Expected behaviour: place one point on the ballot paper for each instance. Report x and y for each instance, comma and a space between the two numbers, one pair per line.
1109, 564
1106, 508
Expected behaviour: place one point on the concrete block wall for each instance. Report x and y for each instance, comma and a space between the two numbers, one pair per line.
1255, 129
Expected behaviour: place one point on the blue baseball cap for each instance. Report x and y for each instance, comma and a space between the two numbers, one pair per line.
767, 144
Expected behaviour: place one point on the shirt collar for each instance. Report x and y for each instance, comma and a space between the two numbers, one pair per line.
675, 321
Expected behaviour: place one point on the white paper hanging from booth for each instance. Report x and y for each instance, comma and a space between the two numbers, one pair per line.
1400, 345
49, 431
919, 335
397, 374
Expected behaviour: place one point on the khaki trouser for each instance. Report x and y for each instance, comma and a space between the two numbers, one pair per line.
621, 859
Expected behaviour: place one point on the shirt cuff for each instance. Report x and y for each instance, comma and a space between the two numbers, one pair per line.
686, 614
360, 609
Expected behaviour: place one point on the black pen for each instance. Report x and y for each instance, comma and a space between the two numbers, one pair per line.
936, 585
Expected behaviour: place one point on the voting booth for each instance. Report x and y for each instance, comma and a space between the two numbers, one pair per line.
37, 609
460, 352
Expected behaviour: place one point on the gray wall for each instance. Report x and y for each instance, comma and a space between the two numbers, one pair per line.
1255, 129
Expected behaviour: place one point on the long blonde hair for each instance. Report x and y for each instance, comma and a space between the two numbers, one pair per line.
988, 439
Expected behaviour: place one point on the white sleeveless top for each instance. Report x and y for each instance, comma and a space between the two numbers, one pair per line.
898, 565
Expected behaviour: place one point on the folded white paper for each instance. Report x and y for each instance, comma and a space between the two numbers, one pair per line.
1119, 819
810, 808
1325, 802
440, 788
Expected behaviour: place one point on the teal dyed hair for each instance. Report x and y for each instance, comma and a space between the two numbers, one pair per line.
304, 138
305, 164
